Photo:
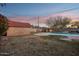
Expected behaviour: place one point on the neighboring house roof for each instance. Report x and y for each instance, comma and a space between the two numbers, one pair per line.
18, 24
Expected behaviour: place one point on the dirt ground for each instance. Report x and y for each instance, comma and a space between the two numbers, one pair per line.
37, 46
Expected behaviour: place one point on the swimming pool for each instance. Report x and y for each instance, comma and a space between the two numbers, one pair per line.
68, 36
61, 34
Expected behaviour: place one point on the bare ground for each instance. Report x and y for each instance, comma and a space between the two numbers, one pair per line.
37, 46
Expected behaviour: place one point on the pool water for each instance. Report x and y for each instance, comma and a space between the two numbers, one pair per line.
68, 35
61, 34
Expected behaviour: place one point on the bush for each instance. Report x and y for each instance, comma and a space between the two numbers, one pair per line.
3, 24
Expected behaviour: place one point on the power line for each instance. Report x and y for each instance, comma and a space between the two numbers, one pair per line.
66, 10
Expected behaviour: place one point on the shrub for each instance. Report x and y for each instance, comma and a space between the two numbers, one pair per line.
3, 24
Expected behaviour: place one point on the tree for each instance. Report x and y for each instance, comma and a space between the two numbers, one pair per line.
3, 21
58, 22
76, 24
3, 24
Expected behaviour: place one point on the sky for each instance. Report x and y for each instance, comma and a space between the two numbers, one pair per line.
25, 12
38, 9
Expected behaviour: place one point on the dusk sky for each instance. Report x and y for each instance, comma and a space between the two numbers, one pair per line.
38, 9
26, 12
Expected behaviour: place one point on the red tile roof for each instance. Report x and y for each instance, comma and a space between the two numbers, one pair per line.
18, 24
